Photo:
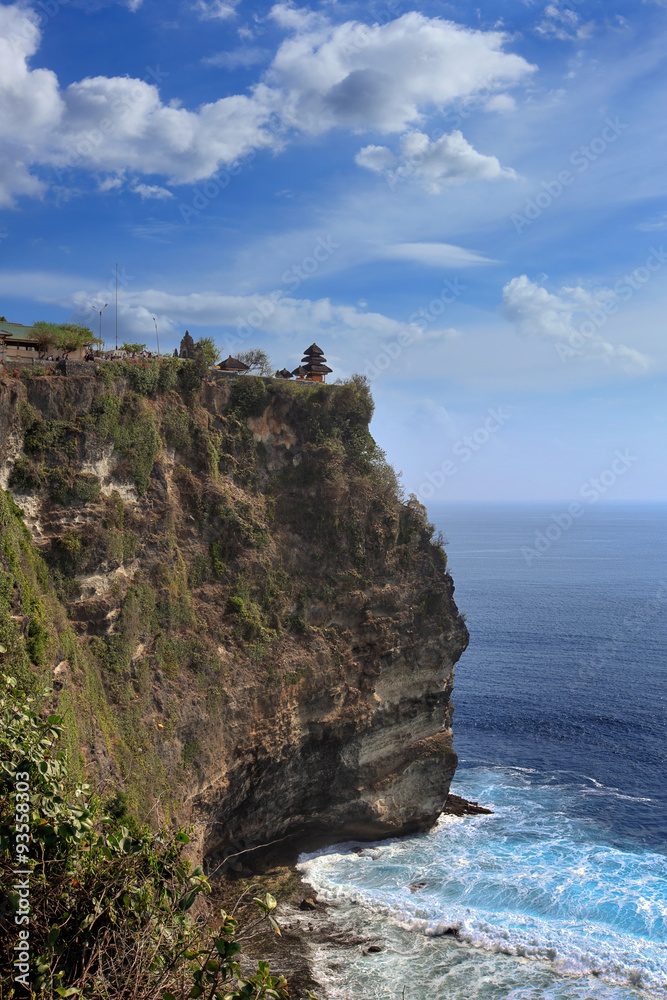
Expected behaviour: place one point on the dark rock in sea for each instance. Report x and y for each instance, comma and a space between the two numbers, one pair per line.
457, 806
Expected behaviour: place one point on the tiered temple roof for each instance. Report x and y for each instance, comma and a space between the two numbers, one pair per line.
314, 361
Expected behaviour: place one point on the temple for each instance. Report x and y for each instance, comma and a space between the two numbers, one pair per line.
231, 364
313, 365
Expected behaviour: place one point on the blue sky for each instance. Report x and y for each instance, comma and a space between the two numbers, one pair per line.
465, 203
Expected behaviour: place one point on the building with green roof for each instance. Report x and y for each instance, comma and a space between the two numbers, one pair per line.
17, 343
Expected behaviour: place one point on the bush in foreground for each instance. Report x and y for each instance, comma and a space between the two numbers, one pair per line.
107, 912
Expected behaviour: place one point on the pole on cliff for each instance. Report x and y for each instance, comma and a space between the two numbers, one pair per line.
116, 305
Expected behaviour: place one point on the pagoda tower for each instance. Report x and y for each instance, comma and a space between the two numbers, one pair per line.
314, 364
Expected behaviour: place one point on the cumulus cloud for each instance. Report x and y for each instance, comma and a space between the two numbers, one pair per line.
377, 158
383, 76
323, 76
571, 320
435, 163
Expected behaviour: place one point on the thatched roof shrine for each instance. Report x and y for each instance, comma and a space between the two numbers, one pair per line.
313, 351
231, 364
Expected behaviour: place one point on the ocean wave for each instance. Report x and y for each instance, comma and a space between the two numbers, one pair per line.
529, 883
619, 960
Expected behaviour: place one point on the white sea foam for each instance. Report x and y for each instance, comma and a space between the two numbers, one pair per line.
535, 892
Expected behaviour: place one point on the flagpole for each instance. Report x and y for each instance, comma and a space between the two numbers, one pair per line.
116, 305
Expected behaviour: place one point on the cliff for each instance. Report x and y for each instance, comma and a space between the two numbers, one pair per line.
242, 624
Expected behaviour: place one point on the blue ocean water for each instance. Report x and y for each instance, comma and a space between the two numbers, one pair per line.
560, 726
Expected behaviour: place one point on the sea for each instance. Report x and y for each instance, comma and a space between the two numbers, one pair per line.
561, 729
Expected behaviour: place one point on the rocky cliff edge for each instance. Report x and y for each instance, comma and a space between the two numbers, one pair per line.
243, 625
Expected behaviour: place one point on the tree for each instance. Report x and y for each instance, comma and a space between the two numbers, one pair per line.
44, 335
71, 337
208, 348
257, 361
132, 348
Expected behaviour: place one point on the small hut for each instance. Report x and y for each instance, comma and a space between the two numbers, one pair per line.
231, 364
283, 373
300, 373
315, 364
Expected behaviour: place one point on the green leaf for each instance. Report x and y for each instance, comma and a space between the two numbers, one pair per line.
182, 837
53, 935
188, 899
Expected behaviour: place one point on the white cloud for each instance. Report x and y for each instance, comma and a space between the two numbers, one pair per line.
323, 76
16, 180
29, 103
288, 317
563, 23
500, 102
111, 183
382, 76
377, 158
243, 57
151, 191
433, 163
655, 225
221, 10
436, 254
119, 123
536, 312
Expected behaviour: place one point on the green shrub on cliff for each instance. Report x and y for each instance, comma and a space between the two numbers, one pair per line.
129, 424
25, 475
107, 914
66, 487
28, 621
249, 397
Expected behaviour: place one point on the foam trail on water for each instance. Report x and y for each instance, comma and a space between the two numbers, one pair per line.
538, 900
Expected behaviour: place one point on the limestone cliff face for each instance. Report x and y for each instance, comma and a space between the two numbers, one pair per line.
244, 626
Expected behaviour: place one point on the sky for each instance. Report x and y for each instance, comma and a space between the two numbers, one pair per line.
465, 203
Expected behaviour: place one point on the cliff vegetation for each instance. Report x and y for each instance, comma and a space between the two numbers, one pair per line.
239, 620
